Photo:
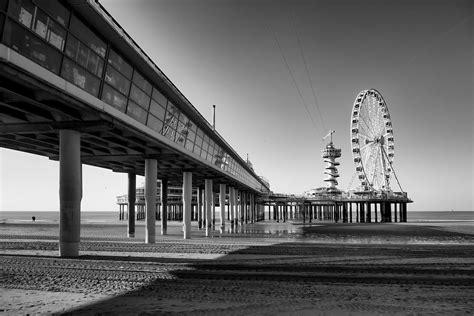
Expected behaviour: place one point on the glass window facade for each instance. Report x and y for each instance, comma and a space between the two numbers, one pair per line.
32, 47
121, 65
114, 98
87, 36
51, 35
80, 77
117, 80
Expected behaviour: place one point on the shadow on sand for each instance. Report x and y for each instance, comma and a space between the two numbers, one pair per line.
305, 274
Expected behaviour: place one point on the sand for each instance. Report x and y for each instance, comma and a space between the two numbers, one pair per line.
265, 269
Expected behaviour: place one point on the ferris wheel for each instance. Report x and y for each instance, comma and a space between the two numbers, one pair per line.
372, 141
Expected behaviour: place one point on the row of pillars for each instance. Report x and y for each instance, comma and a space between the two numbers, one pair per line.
240, 210
346, 212
173, 212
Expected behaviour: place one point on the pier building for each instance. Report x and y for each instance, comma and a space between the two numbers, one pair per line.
76, 88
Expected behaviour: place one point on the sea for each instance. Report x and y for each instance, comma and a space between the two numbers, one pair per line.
113, 217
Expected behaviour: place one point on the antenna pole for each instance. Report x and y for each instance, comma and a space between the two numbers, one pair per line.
214, 117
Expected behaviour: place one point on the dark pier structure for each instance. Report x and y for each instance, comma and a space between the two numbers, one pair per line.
76, 88
345, 208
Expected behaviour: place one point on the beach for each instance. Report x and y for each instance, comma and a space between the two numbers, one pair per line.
267, 268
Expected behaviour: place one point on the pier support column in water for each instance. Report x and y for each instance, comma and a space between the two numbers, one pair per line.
132, 190
404, 212
70, 192
344, 213
395, 211
368, 213
389, 209
151, 170
350, 212
362, 212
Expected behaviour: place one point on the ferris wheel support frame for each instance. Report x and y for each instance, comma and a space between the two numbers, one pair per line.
372, 140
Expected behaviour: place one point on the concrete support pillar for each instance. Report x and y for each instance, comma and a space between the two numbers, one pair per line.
231, 208
213, 208
357, 212
151, 170
70, 192
209, 202
187, 198
405, 218
395, 211
239, 207
362, 212
350, 212
164, 206
344, 213
368, 213
236, 208
252, 208
400, 209
222, 194
199, 207
375, 212
389, 211
132, 190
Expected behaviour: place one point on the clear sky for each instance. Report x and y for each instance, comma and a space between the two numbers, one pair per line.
243, 56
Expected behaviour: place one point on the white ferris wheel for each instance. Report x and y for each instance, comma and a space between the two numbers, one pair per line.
372, 141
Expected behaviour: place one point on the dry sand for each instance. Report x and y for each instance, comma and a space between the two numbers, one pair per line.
265, 269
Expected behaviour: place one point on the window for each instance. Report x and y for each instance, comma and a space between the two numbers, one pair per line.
171, 121
56, 10
49, 30
116, 80
114, 98
135, 111
140, 82
122, 66
81, 78
159, 97
85, 57
203, 153
168, 131
157, 110
199, 136
180, 138
154, 123
23, 11
2, 18
205, 143
189, 144
191, 134
172, 110
87, 36
32, 47
140, 97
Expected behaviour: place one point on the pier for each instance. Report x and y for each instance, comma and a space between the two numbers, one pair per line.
345, 208
76, 88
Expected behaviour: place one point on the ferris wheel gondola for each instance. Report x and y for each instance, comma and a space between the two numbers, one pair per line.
372, 141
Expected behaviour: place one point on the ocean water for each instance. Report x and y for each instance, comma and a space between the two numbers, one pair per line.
17, 216
112, 217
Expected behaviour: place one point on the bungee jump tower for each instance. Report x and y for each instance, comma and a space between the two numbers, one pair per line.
329, 154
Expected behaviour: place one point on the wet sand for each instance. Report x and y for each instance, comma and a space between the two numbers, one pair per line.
265, 269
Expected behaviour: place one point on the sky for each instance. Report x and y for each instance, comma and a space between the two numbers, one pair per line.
259, 63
